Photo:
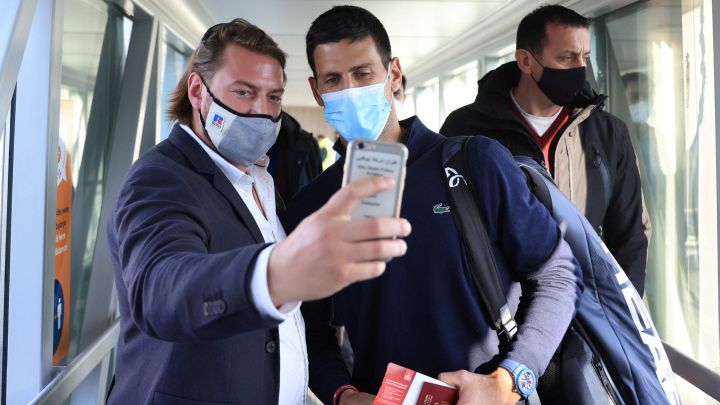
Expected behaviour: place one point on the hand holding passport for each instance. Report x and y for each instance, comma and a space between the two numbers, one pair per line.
403, 386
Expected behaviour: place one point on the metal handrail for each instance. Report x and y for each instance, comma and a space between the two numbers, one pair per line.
79, 368
693, 372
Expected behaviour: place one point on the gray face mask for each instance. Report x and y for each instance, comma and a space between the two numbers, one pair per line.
240, 138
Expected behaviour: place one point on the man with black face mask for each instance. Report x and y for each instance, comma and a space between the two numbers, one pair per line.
541, 106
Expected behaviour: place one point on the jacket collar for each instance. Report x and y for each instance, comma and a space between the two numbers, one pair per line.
494, 91
415, 143
196, 156
202, 163
418, 138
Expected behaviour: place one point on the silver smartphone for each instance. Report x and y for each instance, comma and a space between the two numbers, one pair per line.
366, 158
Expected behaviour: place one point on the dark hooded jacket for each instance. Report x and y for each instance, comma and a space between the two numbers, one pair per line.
591, 159
294, 159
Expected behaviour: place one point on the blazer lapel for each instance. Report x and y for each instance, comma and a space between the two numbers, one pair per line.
202, 163
280, 208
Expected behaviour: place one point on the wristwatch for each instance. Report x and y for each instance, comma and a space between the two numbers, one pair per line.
523, 378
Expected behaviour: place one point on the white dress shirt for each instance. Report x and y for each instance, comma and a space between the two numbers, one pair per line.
293, 351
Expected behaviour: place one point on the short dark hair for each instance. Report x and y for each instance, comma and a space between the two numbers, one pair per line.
639, 77
532, 34
207, 58
346, 22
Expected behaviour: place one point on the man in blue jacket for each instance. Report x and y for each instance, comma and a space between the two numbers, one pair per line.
422, 313
208, 284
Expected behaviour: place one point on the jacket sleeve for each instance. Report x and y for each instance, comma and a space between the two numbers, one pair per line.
626, 226
550, 296
529, 243
327, 368
175, 288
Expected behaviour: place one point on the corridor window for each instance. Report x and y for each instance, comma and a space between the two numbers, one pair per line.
646, 58
427, 105
177, 55
4, 140
460, 88
409, 106
95, 45
5, 131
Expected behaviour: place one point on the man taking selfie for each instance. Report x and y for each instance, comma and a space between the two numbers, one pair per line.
208, 283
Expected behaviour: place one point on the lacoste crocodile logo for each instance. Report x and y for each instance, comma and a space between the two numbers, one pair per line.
440, 209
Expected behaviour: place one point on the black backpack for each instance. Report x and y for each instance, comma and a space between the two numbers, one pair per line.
611, 353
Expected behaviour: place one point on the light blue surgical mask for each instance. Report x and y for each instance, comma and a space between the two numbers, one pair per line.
640, 112
358, 112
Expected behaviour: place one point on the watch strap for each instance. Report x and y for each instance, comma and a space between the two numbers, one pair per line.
517, 371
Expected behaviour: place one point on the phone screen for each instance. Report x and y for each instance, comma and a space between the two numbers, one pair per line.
365, 162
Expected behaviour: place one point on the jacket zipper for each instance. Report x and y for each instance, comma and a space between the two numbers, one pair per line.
604, 175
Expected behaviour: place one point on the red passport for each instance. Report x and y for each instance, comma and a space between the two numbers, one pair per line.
403, 386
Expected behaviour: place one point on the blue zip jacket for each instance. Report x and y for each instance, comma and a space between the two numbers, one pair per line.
422, 312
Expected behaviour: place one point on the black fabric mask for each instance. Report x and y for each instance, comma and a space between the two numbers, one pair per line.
561, 86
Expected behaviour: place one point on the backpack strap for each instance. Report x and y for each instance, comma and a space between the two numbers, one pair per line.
473, 236
534, 176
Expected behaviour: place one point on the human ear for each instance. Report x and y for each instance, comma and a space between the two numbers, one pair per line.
395, 75
523, 59
195, 90
313, 87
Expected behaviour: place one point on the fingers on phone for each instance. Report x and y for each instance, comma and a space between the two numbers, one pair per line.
376, 250
365, 271
343, 201
376, 228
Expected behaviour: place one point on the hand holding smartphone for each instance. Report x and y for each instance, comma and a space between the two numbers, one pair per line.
372, 158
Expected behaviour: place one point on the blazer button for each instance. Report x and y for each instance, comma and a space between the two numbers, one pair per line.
270, 346
217, 307
221, 307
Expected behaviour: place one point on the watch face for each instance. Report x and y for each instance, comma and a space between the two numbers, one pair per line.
526, 382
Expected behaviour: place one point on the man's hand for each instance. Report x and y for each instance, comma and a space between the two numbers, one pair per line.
495, 388
355, 398
329, 251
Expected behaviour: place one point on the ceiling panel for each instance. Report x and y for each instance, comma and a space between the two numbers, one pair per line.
414, 27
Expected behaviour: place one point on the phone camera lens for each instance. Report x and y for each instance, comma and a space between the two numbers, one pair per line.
361, 145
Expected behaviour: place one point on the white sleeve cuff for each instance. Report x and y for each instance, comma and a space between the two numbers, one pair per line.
261, 293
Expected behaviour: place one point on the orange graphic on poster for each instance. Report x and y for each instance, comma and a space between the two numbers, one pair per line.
63, 219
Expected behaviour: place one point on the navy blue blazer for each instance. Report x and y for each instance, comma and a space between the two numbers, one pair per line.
183, 247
